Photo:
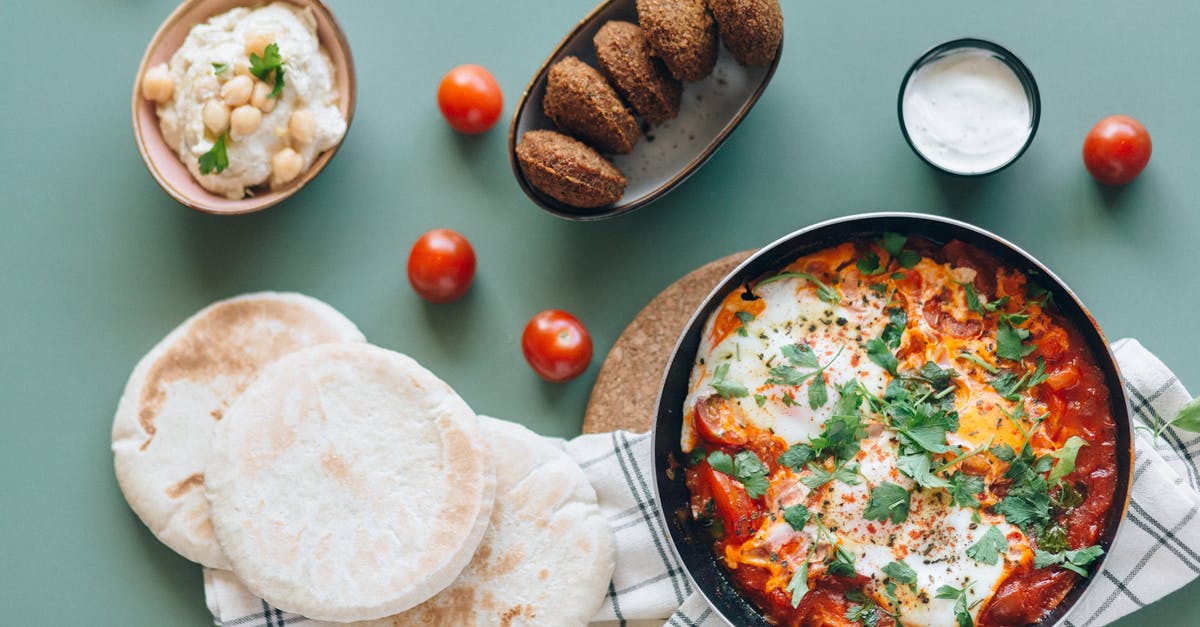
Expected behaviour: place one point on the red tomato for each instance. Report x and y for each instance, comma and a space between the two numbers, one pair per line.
1116, 150
441, 265
557, 346
470, 99
710, 420
737, 510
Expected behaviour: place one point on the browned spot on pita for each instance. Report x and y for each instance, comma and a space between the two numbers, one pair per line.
217, 414
484, 552
543, 574
185, 486
231, 340
455, 605
523, 611
335, 465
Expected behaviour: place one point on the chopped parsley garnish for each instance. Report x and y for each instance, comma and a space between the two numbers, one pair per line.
845, 472
1010, 386
979, 304
1010, 340
863, 610
746, 317
894, 243
841, 563
789, 374
1066, 458
989, 547
919, 468
878, 352
962, 608
797, 516
270, 63
798, 586
215, 159
894, 330
963, 488
901, 572
1188, 419
746, 467
977, 360
1074, 561
824, 292
797, 456
220, 68
868, 264
726, 388
888, 501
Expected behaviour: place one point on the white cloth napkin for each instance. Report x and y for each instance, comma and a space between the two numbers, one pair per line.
1157, 551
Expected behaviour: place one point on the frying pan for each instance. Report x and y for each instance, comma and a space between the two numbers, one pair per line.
692, 543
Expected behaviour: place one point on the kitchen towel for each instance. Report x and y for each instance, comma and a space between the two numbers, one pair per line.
1156, 552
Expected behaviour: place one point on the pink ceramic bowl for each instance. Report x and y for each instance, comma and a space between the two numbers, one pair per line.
164, 163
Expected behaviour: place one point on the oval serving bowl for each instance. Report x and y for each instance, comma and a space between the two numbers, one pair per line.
670, 152
164, 163
692, 543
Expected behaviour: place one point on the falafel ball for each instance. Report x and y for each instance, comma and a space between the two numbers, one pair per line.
569, 170
682, 33
643, 80
580, 102
751, 29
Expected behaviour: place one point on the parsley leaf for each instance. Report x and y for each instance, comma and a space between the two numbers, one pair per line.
1066, 458
215, 159
918, 467
888, 500
798, 586
894, 330
1054, 539
989, 547
864, 613
878, 352
824, 292
1074, 561
937, 376
727, 389
842, 564
749, 469
908, 259
721, 462
264, 66
1026, 505
1009, 341
901, 572
1010, 386
797, 516
962, 611
801, 355
745, 317
797, 456
846, 473
219, 68
868, 264
963, 488
818, 395
893, 243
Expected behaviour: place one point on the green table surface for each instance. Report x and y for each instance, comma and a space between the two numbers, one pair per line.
97, 263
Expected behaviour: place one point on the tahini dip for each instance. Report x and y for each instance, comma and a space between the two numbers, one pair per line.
212, 95
967, 111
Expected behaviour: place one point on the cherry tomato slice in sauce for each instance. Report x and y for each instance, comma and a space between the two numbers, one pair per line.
737, 510
441, 266
711, 413
557, 346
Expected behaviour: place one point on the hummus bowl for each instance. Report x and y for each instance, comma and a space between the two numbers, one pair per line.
163, 161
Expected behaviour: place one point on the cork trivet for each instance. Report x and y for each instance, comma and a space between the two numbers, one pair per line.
631, 376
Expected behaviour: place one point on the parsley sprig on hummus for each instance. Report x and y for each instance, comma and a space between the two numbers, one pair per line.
269, 63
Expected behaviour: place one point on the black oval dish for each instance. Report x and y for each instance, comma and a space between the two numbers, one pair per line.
679, 146
1011, 60
692, 543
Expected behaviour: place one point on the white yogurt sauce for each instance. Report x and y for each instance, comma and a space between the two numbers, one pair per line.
967, 112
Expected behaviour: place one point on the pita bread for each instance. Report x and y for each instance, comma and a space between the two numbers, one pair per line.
349, 483
547, 557
181, 389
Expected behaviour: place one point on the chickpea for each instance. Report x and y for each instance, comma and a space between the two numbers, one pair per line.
245, 120
216, 116
241, 68
286, 165
257, 42
262, 98
302, 126
157, 84
237, 91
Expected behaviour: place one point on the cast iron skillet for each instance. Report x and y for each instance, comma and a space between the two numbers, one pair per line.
692, 544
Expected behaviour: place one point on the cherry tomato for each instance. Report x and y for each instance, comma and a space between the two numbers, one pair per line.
1116, 150
556, 345
711, 417
470, 99
739, 514
441, 265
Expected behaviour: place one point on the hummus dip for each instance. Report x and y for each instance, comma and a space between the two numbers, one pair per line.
267, 139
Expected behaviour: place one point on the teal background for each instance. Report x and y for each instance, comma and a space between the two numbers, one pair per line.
97, 263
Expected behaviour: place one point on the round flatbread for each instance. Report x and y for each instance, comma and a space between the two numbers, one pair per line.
349, 483
180, 390
547, 557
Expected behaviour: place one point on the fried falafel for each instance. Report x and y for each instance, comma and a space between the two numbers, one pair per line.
624, 57
682, 33
580, 102
569, 170
751, 29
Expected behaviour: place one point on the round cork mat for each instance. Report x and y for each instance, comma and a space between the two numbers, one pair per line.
630, 378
